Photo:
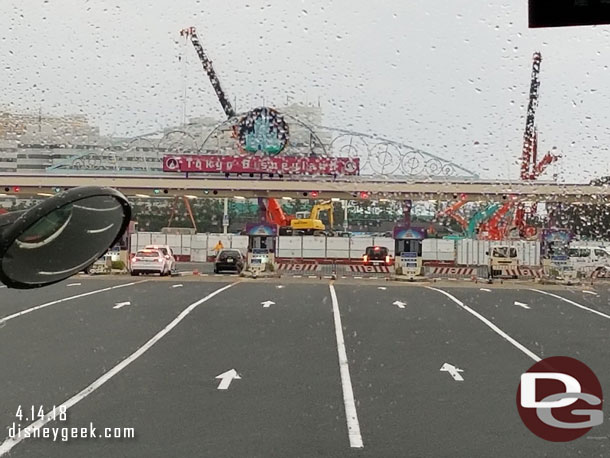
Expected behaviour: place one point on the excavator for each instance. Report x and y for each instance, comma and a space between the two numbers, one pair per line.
304, 222
309, 223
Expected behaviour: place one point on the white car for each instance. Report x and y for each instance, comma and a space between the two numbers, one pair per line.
167, 252
150, 261
588, 259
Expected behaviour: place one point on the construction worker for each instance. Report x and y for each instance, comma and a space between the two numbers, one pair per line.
218, 247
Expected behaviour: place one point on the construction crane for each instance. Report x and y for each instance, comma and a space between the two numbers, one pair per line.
187, 205
531, 168
494, 229
191, 33
451, 211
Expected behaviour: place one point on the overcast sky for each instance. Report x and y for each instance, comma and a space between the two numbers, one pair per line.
450, 77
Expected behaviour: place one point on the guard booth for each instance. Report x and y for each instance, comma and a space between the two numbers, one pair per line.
554, 246
408, 242
262, 245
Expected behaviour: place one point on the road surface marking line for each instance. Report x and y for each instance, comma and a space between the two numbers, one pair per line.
572, 302
296, 276
589, 292
73, 284
23, 312
118, 305
353, 427
359, 278
486, 290
499, 331
521, 304
9, 442
312, 276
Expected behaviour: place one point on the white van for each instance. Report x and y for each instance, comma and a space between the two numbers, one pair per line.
587, 259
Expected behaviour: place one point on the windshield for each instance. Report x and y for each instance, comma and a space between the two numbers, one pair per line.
357, 229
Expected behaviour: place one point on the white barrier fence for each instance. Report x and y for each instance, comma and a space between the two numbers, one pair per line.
198, 247
473, 252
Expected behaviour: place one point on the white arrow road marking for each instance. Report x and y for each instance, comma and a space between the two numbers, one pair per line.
453, 371
73, 284
47, 304
401, 305
485, 289
496, 329
521, 304
226, 378
351, 414
266, 304
118, 305
11, 441
179, 285
382, 288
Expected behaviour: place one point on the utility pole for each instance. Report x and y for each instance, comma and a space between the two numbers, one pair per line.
225, 217
345, 204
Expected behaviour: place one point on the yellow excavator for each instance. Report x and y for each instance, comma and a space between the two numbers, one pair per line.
309, 223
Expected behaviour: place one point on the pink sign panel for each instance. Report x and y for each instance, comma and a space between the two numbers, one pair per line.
286, 165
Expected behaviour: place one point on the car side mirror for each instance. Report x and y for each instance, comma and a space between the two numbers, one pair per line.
60, 236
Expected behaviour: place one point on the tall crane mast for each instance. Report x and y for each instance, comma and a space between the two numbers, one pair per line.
531, 169
191, 33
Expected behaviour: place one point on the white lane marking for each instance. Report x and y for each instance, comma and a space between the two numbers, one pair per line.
359, 278
312, 276
179, 285
353, 427
521, 304
226, 378
279, 286
23, 312
573, 303
401, 305
382, 288
266, 304
453, 371
297, 276
486, 290
118, 305
73, 284
589, 292
499, 331
10, 442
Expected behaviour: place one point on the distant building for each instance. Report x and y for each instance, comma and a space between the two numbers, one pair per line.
31, 143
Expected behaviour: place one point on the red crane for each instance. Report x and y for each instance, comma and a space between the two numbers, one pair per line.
530, 167
451, 211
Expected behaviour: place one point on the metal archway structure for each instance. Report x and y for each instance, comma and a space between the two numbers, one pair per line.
379, 157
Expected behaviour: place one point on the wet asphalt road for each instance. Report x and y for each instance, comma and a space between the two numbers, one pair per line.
152, 364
